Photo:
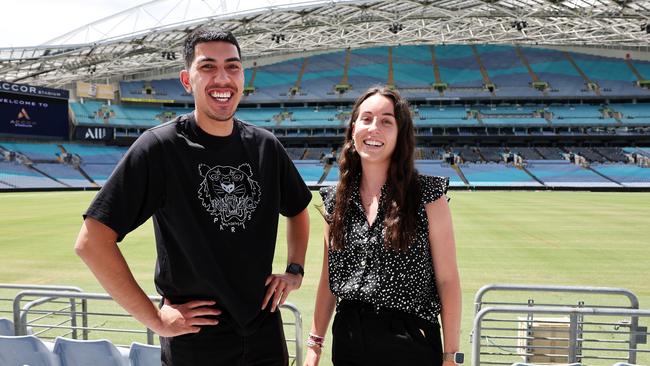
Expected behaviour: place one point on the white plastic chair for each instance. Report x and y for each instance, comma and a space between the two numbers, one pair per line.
144, 354
73, 352
25, 350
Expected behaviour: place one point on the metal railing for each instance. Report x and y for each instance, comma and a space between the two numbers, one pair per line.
297, 332
581, 336
528, 289
66, 313
21, 287
66, 318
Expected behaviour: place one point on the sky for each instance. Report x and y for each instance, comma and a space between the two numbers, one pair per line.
33, 22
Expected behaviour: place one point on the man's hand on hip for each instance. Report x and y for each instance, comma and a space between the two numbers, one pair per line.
179, 319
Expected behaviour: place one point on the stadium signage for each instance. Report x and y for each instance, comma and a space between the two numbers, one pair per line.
23, 114
94, 133
37, 91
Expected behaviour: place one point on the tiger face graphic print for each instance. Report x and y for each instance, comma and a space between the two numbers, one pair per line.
229, 194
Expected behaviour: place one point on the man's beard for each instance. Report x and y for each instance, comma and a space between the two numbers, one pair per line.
220, 118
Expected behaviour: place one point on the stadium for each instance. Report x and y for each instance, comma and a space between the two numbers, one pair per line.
537, 110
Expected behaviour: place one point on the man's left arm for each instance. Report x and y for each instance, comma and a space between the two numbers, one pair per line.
280, 285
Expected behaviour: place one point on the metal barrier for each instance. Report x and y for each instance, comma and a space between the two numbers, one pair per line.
601, 294
573, 343
66, 318
297, 332
63, 321
20, 287
527, 289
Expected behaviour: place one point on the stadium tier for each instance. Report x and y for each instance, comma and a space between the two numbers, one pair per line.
424, 115
16, 175
628, 175
33, 151
561, 173
81, 165
485, 115
497, 174
466, 71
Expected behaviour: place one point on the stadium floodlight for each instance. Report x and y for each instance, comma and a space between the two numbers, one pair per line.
168, 55
277, 37
395, 27
519, 24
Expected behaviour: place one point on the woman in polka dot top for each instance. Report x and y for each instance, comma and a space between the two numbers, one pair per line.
389, 267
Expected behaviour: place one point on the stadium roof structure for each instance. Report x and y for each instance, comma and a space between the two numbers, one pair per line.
148, 38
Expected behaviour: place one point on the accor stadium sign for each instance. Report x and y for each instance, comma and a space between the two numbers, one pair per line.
37, 91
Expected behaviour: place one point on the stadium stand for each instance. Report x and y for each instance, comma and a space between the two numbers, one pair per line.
310, 170
460, 67
480, 91
74, 352
144, 354
26, 350
34, 151
6, 327
17, 175
561, 173
65, 174
497, 174
437, 168
626, 174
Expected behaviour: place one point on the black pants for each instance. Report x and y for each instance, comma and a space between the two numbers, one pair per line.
364, 335
222, 345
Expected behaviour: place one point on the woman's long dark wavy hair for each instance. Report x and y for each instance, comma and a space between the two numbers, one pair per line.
403, 191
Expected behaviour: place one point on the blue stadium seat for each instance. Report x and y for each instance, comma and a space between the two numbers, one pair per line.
6, 327
25, 350
73, 352
144, 354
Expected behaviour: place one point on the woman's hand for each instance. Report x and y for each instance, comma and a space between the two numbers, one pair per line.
313, 356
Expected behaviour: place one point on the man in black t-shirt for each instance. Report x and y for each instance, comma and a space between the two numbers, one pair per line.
214, 186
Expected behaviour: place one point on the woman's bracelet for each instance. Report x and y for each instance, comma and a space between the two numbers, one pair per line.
315, 341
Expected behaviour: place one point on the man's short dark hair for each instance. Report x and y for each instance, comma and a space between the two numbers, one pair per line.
202, 35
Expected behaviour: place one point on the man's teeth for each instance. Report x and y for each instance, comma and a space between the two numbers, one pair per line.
373, 143
222, 97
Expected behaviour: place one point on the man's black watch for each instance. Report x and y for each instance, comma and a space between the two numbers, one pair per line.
295, 268
457, 357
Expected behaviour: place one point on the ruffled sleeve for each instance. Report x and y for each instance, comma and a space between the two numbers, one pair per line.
433, 188
328, 194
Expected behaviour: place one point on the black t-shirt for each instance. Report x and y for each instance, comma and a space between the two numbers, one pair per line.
215, 203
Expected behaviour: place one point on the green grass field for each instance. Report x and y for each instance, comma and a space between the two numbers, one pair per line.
566, 238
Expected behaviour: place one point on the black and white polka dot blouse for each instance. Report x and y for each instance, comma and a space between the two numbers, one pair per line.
366, 270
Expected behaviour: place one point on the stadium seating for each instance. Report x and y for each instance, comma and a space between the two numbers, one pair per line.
26, 350
34, 151
73, 352
310, 170
413, 74
6, 327
19, 176
437, 168
65, 174
627, 174
497, 174
561, 173
144, 354
96, 154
